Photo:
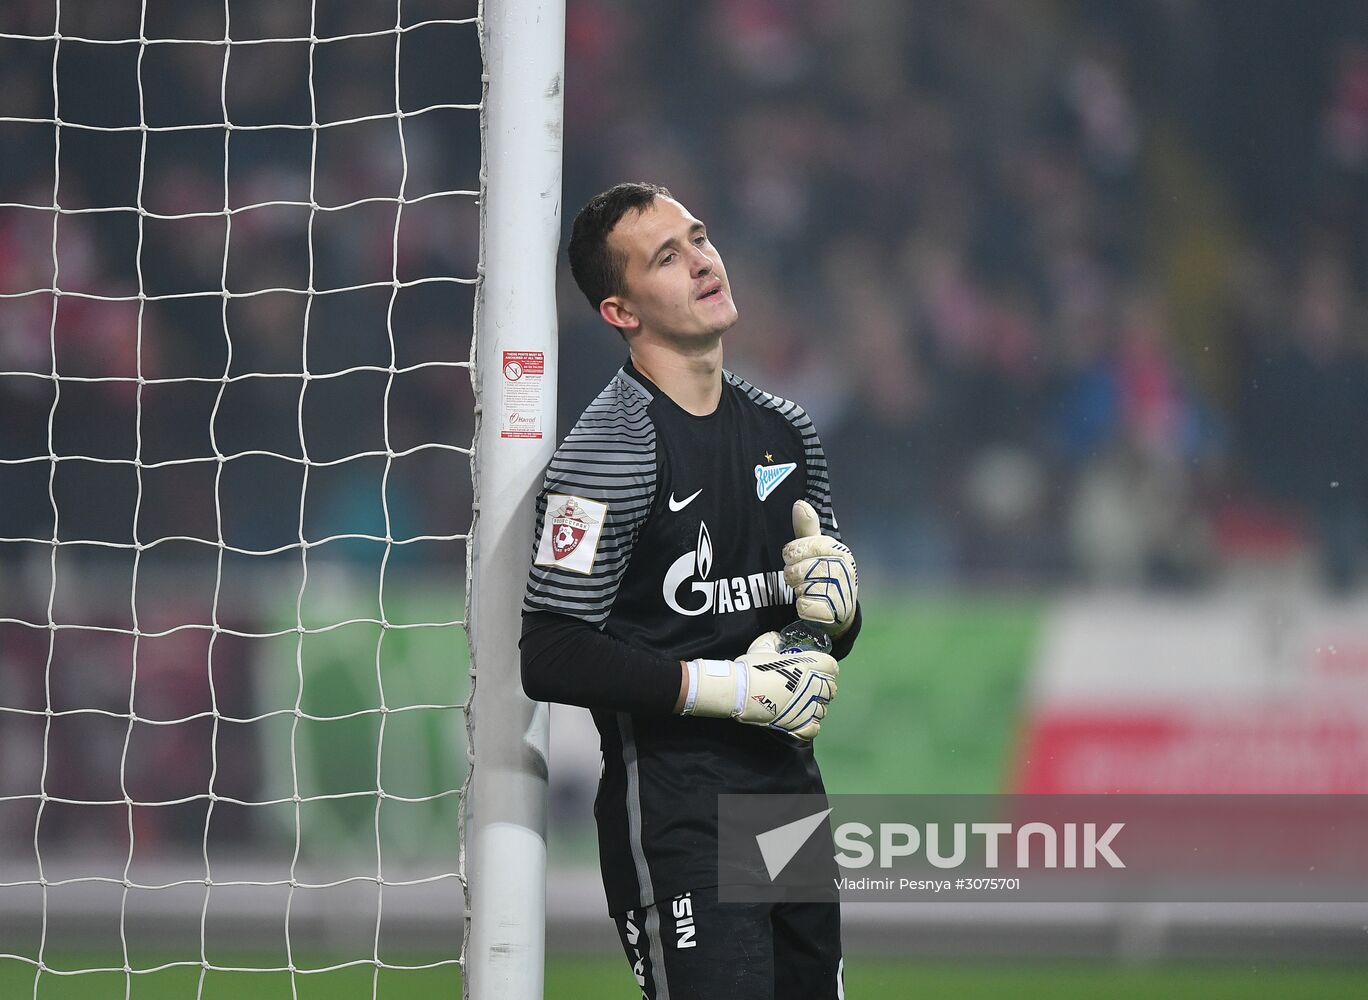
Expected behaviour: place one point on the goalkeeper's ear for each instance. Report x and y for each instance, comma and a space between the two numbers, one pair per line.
617, 312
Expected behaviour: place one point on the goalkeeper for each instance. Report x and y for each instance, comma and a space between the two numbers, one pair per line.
681, 520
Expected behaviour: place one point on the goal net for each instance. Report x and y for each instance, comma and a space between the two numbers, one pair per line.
240, 478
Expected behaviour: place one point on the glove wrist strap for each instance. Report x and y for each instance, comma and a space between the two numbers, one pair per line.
692, 696
720, 688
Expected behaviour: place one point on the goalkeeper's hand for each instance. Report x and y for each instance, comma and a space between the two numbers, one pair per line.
764, 687
821, 572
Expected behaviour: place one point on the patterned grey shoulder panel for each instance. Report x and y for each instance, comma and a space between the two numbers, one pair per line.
608, 464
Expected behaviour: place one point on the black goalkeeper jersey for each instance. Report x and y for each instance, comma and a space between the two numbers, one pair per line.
665, 529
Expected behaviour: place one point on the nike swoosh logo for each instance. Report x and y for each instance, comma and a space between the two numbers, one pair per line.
677, 505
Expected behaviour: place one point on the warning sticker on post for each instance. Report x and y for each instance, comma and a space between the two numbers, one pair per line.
523, 372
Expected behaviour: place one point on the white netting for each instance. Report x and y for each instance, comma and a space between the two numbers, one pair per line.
232, 695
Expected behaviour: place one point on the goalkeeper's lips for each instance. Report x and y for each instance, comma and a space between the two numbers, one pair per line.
714, 291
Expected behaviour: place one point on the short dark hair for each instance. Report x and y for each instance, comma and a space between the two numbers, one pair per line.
598, 270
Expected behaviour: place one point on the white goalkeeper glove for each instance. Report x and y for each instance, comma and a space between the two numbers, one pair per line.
821, 572
764, 687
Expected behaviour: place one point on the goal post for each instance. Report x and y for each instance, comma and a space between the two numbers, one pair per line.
513, 365
238, 259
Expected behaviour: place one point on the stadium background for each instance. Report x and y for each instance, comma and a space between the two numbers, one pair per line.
1074, 292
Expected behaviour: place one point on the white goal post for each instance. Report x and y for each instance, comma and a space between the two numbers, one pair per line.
524, 52
238, 258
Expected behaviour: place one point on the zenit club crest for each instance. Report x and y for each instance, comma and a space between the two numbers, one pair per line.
570, 533
768, 478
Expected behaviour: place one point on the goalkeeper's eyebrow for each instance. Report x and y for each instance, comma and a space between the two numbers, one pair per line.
694, 230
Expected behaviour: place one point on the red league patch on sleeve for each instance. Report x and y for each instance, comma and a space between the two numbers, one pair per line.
570, 534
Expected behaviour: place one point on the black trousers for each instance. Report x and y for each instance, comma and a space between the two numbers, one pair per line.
693, 947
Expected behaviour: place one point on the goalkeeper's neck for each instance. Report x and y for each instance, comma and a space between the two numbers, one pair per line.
690, 374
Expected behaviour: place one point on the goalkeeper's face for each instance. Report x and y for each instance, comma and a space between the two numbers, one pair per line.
677, 288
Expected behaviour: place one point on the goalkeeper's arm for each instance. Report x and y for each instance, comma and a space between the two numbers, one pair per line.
570, 662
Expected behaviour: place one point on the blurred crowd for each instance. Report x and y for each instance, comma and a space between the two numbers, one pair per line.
157, 366
1074, 290
225, 375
